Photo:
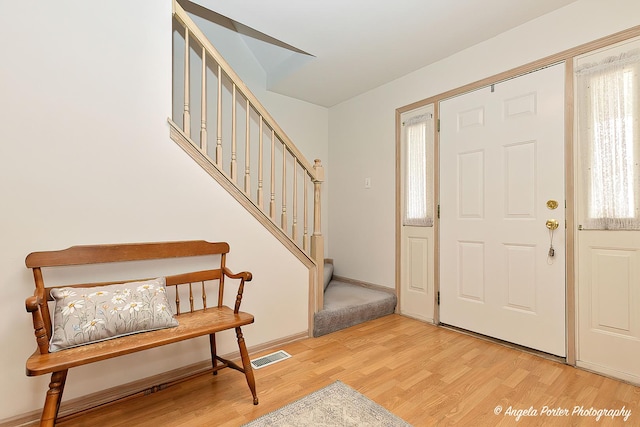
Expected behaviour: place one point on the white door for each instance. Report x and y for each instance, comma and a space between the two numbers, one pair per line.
501, 161
417, 236
608, 196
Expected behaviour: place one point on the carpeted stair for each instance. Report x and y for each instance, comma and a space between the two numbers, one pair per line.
348, 304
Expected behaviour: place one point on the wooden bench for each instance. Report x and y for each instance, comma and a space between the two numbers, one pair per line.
192, 323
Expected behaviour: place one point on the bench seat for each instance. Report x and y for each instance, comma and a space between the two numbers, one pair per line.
191, 325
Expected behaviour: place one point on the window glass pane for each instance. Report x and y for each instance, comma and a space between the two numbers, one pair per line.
418, 162
608, 142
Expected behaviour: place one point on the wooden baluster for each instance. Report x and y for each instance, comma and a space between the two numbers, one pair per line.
316, 197
317, 240
177, 301
305, 197
272, 203
186, 115
247, 154
219, 121
203, 121
283, 218
260, 172
223, 261
191, 297
204, 296
294, 227
234, 173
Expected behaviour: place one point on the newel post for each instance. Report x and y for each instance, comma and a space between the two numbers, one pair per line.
317, 240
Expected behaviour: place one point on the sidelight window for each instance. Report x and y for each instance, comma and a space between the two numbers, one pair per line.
609, 141
418, 159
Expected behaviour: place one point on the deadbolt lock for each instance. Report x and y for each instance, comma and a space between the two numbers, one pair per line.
552, 204
552, 224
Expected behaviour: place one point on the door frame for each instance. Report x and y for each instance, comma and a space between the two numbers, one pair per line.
566, 56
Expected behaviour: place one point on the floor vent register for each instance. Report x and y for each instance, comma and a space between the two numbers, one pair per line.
269, 359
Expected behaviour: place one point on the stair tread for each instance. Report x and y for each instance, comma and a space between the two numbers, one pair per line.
340, 294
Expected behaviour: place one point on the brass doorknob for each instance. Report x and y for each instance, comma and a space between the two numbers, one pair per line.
552, 224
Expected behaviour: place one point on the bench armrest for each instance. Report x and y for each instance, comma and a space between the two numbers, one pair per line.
244, 276
33, 305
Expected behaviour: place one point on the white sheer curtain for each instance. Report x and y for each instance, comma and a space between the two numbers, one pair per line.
418, 188
608, 95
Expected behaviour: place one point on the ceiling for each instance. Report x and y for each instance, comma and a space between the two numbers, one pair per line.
327, 51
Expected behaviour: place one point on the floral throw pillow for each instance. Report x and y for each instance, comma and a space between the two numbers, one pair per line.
86, 315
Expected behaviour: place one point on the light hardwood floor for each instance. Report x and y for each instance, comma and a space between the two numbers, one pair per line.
427, 375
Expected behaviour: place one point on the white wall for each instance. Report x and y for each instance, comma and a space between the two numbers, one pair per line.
85, 157
362, 129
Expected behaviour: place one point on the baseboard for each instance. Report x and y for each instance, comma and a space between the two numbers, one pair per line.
270, 345
364, 284
75, 407
418, 317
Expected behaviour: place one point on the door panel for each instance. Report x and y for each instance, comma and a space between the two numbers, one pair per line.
416, 294
608, 297
501, 159
417, 253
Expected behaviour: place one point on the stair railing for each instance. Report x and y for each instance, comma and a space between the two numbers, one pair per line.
247, 141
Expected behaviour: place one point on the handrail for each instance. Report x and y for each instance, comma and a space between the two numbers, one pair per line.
287, 191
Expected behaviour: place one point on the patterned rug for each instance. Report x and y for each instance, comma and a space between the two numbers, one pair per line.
334, 405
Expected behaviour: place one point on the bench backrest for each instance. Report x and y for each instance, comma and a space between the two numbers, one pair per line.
99, 254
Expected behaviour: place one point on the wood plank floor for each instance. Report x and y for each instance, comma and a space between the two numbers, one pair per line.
427, 375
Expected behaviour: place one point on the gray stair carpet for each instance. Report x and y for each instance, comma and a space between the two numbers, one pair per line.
348, 304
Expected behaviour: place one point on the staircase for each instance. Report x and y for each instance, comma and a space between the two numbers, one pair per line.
241, 146
232, 136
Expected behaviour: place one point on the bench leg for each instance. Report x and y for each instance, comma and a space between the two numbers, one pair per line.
214, 354
53, 399
246, 363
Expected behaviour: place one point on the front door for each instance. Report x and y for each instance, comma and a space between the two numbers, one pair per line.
502, 270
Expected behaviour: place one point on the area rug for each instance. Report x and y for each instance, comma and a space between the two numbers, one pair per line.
334, 405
